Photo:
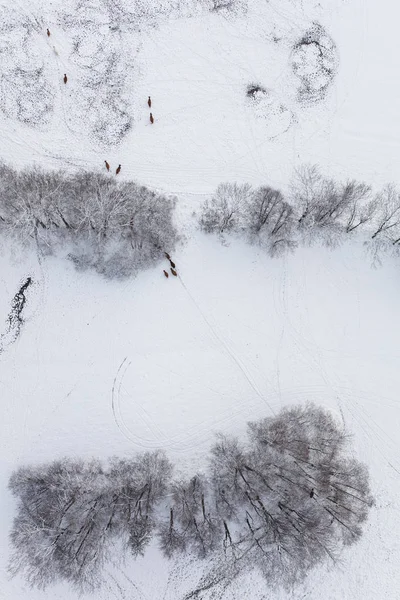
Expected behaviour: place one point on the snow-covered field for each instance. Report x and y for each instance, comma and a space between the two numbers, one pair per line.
104, 367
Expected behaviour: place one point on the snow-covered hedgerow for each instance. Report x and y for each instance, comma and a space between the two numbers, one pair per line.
316, 209
285, 501
116, 228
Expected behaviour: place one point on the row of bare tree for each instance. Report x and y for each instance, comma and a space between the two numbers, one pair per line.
283, 502
316, 208
115, 227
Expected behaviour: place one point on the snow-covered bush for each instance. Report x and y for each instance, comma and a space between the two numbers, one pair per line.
114, 227
282, 503
255, 91
314, 61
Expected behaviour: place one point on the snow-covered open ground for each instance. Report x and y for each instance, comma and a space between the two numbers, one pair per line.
104, 367
196, 71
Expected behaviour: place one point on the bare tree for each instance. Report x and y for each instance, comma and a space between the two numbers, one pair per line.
139, 484
291, 497
361, 208
388, 214
72, 516
59, 531
170, 536
28, 205
320, 201
193, 523
333, 202
263, 215
328, 209
270, 220
225, 211
227, 5
305, 191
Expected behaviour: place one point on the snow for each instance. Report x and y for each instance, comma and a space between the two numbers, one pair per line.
197, 71
104, 367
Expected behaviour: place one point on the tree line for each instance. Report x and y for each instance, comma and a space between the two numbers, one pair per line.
119, 228
315, 209
282, 502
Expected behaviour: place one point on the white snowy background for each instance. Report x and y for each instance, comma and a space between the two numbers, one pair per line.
104, 367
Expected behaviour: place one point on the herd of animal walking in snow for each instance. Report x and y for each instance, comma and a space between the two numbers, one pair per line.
151, 121
172, 267
65, 79
118, 170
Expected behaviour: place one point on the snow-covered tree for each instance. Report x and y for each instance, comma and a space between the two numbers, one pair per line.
226, 210
73, 516
117, 228
291, 497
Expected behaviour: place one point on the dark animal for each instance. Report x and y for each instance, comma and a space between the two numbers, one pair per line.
174, 272
65, 78
166, 274
167, 255
151, 118
312, 493
172, 264
149, 102
118, 169
107, 165
48, 33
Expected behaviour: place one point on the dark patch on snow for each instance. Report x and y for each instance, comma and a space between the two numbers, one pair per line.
253, 89
314, 61
26, 93
15, 318
225, 5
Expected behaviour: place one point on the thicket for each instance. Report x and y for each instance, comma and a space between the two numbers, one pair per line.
283, 502
314, 60
316, 209
116, 228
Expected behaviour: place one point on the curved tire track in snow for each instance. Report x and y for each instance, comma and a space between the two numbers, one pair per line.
352, 397
178, 443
